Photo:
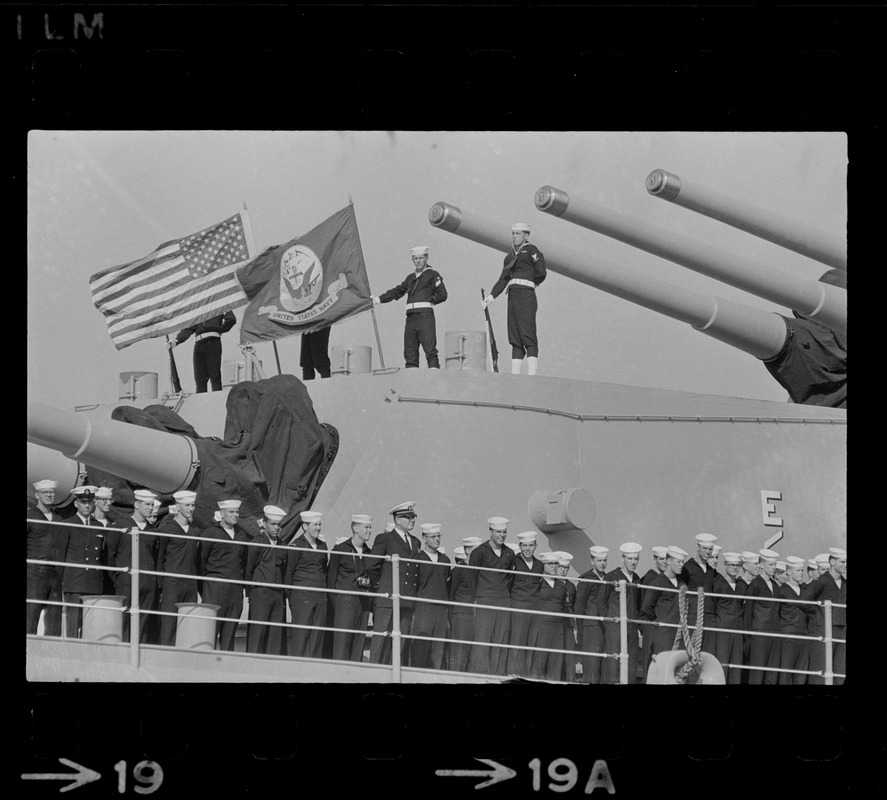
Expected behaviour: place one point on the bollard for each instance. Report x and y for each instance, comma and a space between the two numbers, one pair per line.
103, 618
196, 626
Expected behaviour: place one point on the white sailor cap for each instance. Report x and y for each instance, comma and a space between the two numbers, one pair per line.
419, 251
564, 559
598, 551
430, 528
716, 550
822, 559
780, 566
157, 503
837, 552
520, 227
768, 555
310, 516
407, 509
811, 564
340, 539
527, 537
273, 513
84, 492
472, 541
677, 552
185, 497
630, 547
548, 558
497, 523
229, 505
750, 558
513, 546
362, 519
459, 552
389, 526
795, 561
173, 509
732, 558
144, 496
659, 551
706, 538
104, 493
217, 517
43, 486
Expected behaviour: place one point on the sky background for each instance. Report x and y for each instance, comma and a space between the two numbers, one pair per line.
97, 199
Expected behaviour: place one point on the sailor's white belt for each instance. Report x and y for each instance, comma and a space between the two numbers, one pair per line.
414, 306
520, 282
210, 335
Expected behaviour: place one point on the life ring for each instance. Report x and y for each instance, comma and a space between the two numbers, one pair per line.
665, 666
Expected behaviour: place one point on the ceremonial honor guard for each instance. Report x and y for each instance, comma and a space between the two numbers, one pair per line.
430, 619
306, 569
461, 617
490, 588
424, 288
314, 354
663, 607
729, 614
267, 564
762, 616
630, 552
591, 602
348, 571
207, 348
177, 555
831, 585
699, 573
568, 624
400, 542
84, 547
44, 581
525, 588
548, 632
119, 546
524, 270
647, 634
224, 557
793, 619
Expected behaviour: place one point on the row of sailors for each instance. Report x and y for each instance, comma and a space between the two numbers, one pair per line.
478, 631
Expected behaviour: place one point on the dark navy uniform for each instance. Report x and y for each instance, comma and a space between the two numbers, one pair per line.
224, 558
490, 625
266, 564
82, 546
661, 607
612, 636
430, 619
350, 611
590, 601
522, 272
461, 619
387, 544
119, 546
178, 557
695, 575
762, 616
44, 582
793, 618
208, 349
314, 354
424, 290
307, 608
569, 632
548, 632
729, 613
647, 633
826, 588
525, 588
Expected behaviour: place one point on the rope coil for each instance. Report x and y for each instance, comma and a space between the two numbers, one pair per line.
692, 643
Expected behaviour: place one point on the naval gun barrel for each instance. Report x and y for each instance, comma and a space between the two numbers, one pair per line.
822, 302
759, 333
790, 234
162, 461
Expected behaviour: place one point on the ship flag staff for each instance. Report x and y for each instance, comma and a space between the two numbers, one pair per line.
524, 270
424, 288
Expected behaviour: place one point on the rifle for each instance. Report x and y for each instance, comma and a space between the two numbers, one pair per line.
173, 371
494, 351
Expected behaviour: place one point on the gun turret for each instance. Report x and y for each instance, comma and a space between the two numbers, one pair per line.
825, 303
792, 235
759, 333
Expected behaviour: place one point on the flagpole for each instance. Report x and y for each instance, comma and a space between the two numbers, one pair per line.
251, 249
372, 310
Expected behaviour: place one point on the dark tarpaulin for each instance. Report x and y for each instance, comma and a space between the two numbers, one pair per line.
812, 365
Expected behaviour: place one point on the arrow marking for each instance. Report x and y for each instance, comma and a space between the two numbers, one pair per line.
80, 778
495, 775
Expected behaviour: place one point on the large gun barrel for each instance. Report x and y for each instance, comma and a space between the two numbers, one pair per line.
792, 235
815, 300
164, 462
756, 332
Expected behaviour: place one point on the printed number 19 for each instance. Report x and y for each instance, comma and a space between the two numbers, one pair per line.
564, 776
147, 772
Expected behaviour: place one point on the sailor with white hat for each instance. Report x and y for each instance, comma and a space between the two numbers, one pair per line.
698, 573
794, 654
591, 601
177, 553
728, 613
306, 571
267, 604
568, 624
424, 288
461, 617
491, 588
430, 619
751, 567
104, 498
662, 607
627, 571
659, 553
524, 597
522, 272
348, 571
44, 582
831, 585
763, 616
812, 571
401, 542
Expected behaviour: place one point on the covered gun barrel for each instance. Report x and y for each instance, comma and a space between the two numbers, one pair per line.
827, 304
756, 332
790, 234
164, 462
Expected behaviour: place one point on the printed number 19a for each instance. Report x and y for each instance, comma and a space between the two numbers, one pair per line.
564, 776
146, 772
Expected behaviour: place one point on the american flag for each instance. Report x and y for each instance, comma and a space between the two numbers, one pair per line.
179, 284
